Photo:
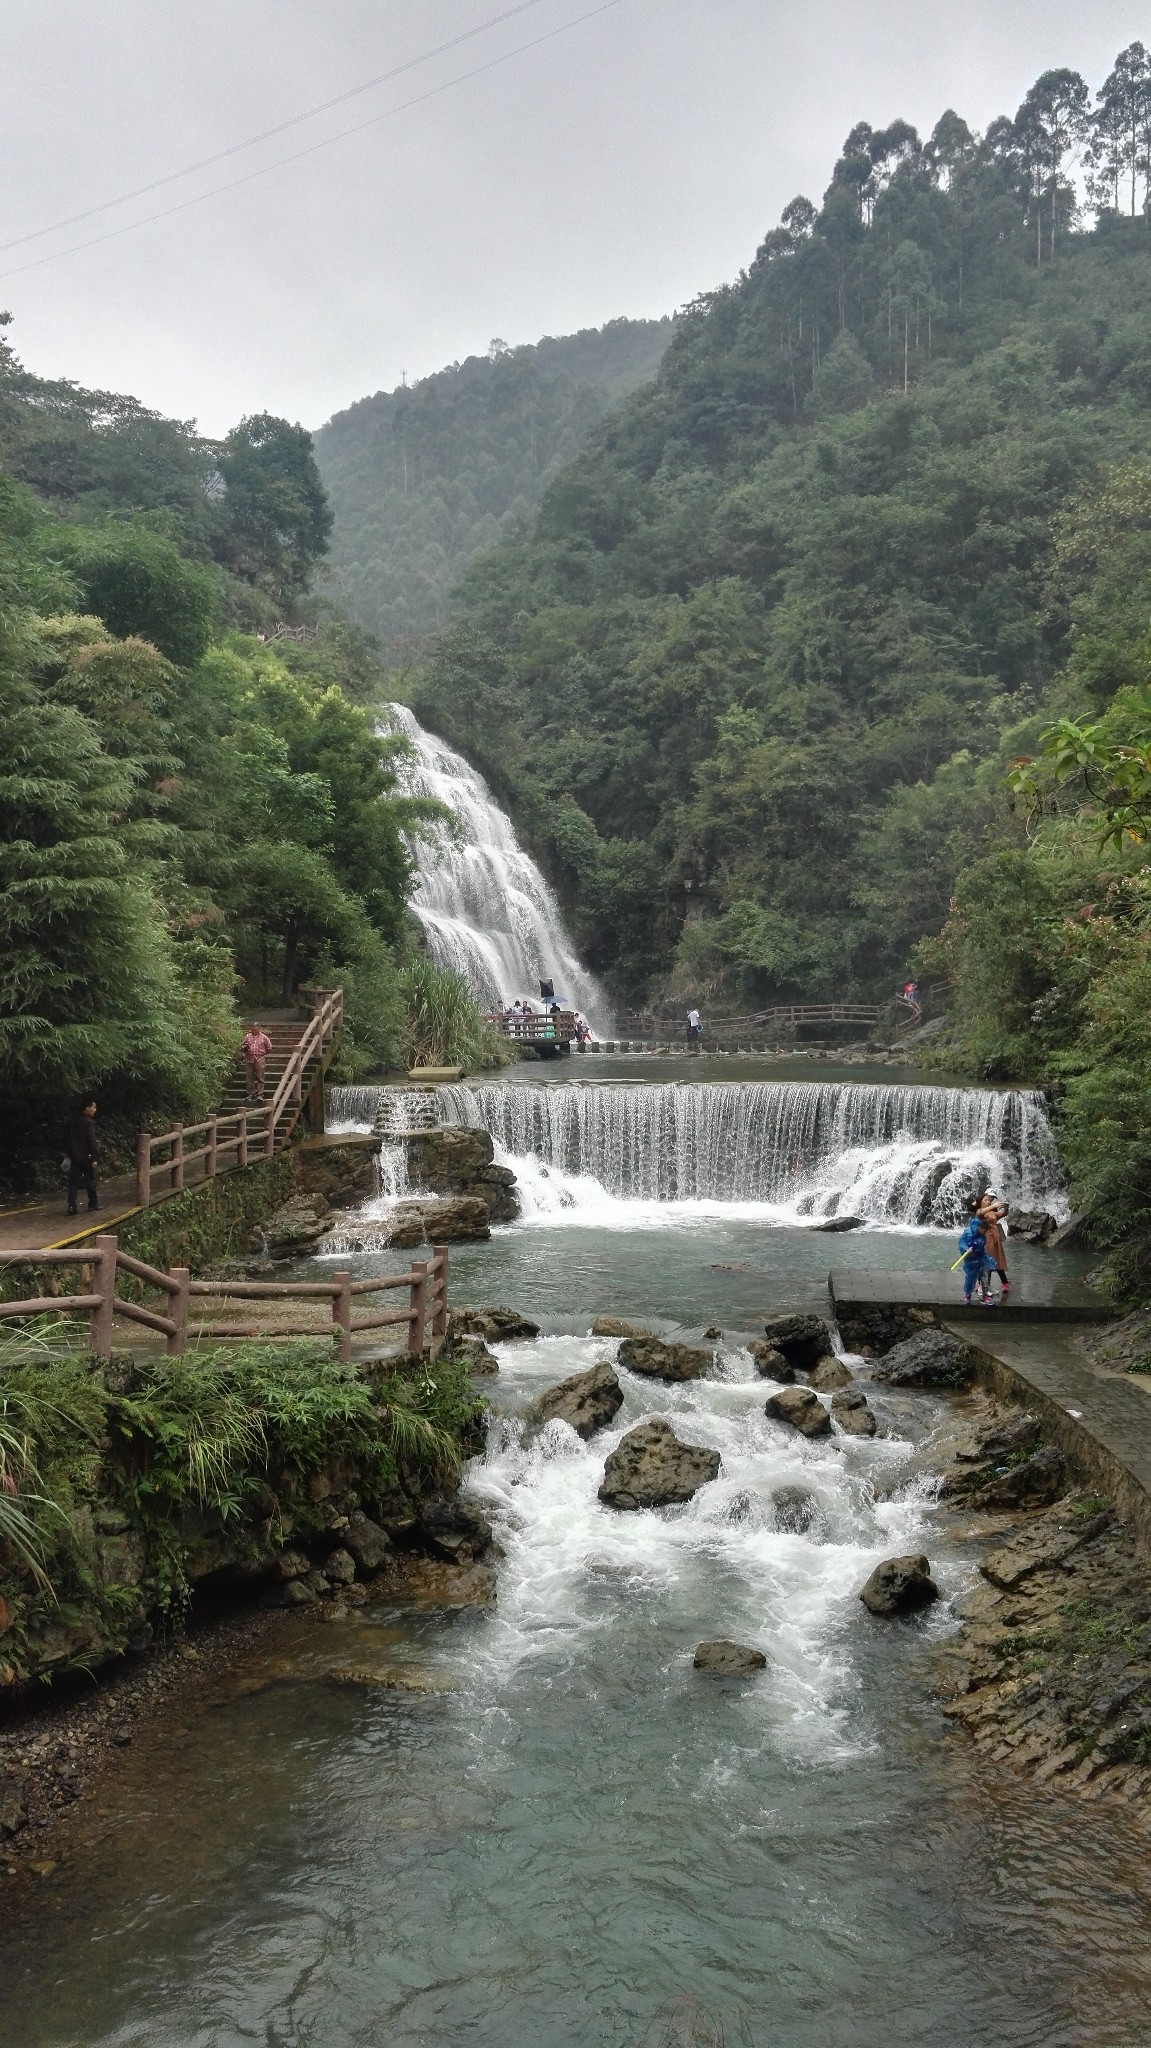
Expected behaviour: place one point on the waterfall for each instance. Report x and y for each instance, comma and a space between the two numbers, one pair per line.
907, 1155
485, 908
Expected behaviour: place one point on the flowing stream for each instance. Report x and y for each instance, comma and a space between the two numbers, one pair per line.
485, 908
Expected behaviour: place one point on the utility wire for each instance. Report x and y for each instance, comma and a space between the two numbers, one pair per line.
182, 205
205, 163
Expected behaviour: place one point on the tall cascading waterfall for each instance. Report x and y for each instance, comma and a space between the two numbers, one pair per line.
485, 908
889, 1154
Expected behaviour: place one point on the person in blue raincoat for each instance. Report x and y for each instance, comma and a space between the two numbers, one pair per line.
973, 1246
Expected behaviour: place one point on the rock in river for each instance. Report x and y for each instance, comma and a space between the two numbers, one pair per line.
588, 1400
829, 1373
452, 1530
497, 1325
726, 1657
651, 1468
472, 1352
793, 1509
933, 1359
366, 1541
803, 1340
769, 1363
849, 1408
659, 1361
900, 1585
799, 1407
1035, 1483
614, 1326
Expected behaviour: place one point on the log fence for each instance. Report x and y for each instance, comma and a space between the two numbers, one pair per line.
163, 1158
426, 1282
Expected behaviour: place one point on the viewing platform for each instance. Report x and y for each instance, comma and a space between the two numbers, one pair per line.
1032, 1299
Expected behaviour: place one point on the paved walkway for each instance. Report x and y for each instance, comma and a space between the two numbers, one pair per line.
44, 1224
1034, 1297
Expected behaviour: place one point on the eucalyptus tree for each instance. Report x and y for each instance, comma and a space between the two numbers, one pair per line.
1119, 151
1051, 126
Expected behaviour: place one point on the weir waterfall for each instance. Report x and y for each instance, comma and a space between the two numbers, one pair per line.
485, 908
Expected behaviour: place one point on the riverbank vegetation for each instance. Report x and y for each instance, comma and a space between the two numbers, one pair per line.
197, 815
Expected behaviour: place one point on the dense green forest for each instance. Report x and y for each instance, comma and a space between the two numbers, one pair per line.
195, 811
423, 478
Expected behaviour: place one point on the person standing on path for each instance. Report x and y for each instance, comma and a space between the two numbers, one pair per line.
993, 1212
82, 1156
694, 1027
256, 1047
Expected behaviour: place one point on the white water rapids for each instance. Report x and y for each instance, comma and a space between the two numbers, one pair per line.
619, 1155
485, 908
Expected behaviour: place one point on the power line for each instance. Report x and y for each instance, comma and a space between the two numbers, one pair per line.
205, 163
264, 171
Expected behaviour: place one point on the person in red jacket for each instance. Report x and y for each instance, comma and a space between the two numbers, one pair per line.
256, 1047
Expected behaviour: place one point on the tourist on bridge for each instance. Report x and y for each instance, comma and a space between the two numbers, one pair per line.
82, 1156
256, 1047
694, 1027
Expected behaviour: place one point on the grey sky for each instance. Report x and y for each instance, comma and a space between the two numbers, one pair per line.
619, 168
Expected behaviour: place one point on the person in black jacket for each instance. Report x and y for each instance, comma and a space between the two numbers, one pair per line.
82, 1156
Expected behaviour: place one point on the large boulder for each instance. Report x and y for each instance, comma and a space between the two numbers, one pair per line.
900, 1585
614, 1326
769, 1363
793, 1509
454, 1531
659, 1361
837, 1223
588, 1400
829, 1373
1035, 1482
295, 1230
651, 1468
849, 1408
497, 1325
451, 1219
366, 1541
803, 1340
472, 1352
932, 1359
728, 1658
800, 1409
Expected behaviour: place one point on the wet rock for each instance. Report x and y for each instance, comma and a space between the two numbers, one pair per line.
497, 1325
13, 1812
1005, 1437
455, 1532
614, 1326
367, 1542
712, 1334
932, 1359
793, 1509
340, 1567
317, 1581
1072, 1235
900, 1585
1032, 1226
829, 1373
295, 1230
659, 1361
769, 1363
1045, 1543
833, 1223
474, 1354
1035, 1482
800, 1409
651, 1468
291, 1593
728, 1658
450, 1219
803, 1340
291, 1564
587, 1401
873, 1327
849, 1408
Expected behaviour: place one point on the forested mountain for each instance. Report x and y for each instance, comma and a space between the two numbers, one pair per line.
195, 810
422, 478
749, 679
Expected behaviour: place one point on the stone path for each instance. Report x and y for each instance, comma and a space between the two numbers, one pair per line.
48, 1224
1033, 1298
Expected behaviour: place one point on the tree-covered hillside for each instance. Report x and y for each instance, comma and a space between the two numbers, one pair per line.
752, 679
196, 813
423, 478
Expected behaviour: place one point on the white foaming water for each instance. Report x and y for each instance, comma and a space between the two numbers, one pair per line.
718, 1565
485, 908
627, 1156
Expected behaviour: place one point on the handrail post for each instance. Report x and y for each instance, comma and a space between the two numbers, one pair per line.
104, 1284
144, 1169
210, 1149
269, 1131
178, 1309
418, 1300
242, 1140
342, 1311
176, 1170
440, 1317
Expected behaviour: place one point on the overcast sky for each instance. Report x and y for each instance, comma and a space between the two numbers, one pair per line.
619, 167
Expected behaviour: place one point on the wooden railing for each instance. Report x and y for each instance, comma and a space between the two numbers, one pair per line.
426, 1282
643, 1023
541, 1028
249, 1133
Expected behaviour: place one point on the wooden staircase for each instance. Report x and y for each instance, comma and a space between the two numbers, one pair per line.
285, 1038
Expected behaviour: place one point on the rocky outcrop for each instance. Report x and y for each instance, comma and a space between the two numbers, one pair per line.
728, 1659
873, 1327
850, 1410
496, 1325
587, 1401
836, 1223
295, 1230
455, 1531
659, 1361
828, 1373
803, 1340
793, 1509
452, 1219
614, 1326
900, 1585
367, 1543
651, 1468
769, 1363
456, 1160
932, 1359
473, 1352
800, 1409
1035, 1482
1032, 1226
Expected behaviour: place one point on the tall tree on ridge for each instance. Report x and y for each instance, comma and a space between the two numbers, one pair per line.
1120, 147
1051, 126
